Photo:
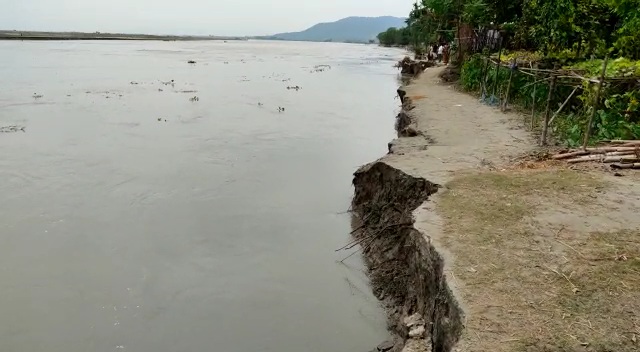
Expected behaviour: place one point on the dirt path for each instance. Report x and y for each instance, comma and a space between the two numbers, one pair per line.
541, 257
462, 133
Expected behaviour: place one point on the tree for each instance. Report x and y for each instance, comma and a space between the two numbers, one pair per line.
628, 34
395, 36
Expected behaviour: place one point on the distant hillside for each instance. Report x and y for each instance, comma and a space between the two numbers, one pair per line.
350, 29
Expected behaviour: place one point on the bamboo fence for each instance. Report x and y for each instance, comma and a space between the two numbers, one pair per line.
553, 78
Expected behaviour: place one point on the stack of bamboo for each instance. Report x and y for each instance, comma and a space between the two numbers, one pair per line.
621, 154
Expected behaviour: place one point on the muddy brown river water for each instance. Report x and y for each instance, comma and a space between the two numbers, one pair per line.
148, 204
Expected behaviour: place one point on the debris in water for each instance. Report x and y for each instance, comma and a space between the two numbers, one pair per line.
37, 96
11, 129
320, 68
191, 62
280, 109
133, 83
194, 99
296, 88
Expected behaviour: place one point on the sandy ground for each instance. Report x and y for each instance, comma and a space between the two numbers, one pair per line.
465, 143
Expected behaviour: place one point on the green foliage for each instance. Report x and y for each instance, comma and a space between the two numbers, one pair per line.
577, 28
577, 34
628, 32
471, 73
475, 12
617, 117
395, 36
620, 67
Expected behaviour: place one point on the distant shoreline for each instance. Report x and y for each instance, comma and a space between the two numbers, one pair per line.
31, 35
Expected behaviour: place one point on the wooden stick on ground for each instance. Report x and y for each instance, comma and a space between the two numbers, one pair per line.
570, 155
625, 166
586, 158
621, 141
605, 159
613, 149
621, 158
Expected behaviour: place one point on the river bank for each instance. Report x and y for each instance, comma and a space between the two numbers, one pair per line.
471, 242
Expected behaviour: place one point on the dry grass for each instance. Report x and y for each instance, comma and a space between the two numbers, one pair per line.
531, 288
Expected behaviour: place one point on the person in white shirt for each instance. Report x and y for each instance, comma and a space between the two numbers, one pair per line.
440, 52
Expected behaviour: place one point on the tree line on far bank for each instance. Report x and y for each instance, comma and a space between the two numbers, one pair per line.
395, 37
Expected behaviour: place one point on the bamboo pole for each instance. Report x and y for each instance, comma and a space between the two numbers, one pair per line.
533, 104
605, 159
535, 82
562, 106
570, 155
460, 54
495, 84
630, 142
547, 111
506, 98
595, 103
626, 166
484, 78
597, 151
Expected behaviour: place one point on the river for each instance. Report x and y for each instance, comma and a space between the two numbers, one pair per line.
149, 204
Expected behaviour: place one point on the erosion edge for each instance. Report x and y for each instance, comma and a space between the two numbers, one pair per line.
405, 267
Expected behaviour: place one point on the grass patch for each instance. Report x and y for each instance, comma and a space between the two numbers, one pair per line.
529, 287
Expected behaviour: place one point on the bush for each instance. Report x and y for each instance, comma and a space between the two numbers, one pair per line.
471, 73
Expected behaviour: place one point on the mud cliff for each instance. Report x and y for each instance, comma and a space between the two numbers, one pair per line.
405, 268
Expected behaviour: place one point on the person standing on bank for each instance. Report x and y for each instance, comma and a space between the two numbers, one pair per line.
440, 52
445, 54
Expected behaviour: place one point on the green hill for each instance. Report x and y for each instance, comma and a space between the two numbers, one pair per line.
350, 29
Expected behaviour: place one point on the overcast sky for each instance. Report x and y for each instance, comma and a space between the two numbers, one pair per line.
217, 17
